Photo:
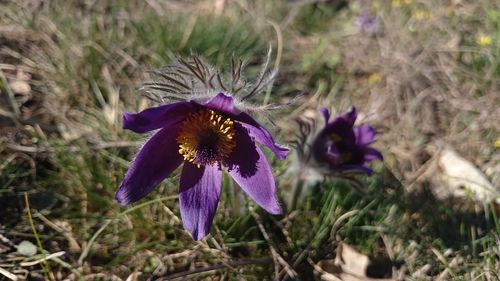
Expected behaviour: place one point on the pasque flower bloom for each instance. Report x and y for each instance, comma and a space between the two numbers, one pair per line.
336, 150
205, 132
341, 146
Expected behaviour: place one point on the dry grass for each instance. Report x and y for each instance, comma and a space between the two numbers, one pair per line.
428, 79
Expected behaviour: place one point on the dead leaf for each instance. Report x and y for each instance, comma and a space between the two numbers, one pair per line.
352, 261
348, 265
460, 178
20, 87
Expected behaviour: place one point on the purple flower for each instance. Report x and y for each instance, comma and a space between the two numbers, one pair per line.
340, 146
366, 20
206, 133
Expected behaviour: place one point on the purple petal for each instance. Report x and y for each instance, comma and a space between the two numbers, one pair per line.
365, 135
341, 127
326, 114
261, 135
222, 103
333, 155
248, 166
339, 131
349, 117
199, 196
361, 168
372, 154
156, 160
156, 117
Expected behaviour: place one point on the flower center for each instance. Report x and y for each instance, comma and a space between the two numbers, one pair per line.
339, 150
335, 138
206, 137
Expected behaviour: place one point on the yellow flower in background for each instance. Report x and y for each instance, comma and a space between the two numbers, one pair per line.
497, 143
421, 14
374, 78
483, 40
398, 3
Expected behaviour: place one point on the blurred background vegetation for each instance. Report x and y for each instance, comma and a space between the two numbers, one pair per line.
427, 77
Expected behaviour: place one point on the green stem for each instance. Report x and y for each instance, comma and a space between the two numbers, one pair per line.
45, 264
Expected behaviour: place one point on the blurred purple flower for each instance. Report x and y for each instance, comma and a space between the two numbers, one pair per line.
341, 146
366, 21
206, 133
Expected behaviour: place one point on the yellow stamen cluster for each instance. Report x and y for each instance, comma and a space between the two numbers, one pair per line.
205, 126
345, 157
335, 138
